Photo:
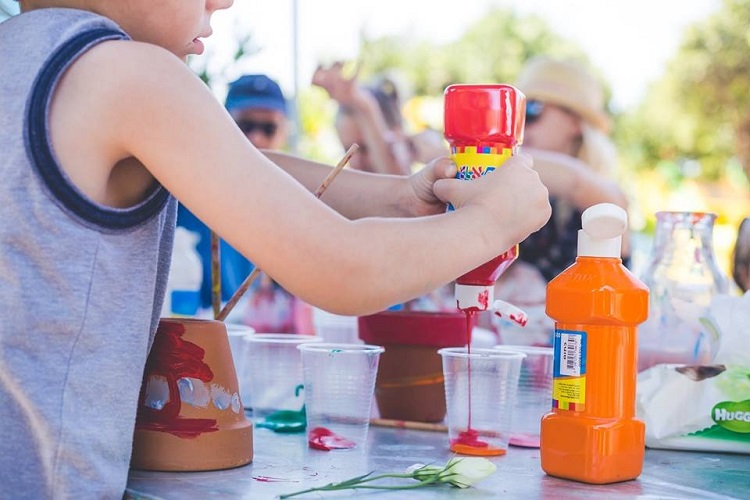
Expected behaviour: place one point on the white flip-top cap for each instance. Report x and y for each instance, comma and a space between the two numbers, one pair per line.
603, 227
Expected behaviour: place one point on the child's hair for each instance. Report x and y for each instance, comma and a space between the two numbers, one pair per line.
741, 256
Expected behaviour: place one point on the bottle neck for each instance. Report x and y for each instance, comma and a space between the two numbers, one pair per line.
599, 259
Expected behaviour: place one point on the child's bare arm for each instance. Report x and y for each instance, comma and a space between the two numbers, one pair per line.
157, 111
357, 194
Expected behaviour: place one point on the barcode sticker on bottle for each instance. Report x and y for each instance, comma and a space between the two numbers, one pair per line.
569, 384
570, 352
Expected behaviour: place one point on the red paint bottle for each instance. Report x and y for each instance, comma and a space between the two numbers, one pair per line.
484, 127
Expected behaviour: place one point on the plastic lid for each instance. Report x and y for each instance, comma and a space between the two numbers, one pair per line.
484, 115
603, 227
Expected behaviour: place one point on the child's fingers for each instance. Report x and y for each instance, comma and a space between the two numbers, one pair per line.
446, 190
441, 168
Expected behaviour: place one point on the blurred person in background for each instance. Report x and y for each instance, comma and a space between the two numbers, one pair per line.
258, 106
567, 134
370, 115
741, 256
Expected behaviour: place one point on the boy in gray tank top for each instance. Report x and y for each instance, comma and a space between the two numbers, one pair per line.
101, 122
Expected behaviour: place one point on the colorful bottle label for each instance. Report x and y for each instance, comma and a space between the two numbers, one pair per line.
569, 384
473, 161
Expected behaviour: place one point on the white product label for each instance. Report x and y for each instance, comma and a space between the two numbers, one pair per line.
570, 355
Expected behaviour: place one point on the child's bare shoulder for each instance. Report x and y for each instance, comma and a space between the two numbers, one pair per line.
122, 79
128, 62
114, 95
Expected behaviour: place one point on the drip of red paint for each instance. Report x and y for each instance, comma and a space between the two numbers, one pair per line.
469, 313
325, 439
469, 437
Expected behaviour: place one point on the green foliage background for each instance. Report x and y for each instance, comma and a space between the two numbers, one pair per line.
690, 134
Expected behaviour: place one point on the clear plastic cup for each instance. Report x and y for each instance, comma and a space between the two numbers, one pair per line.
339, 385
480, 391
534, 397
237, 334
334, 328
273, 372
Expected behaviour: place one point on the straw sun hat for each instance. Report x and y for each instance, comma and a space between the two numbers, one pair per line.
566, 84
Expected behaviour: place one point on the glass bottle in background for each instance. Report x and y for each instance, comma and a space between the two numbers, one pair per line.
683, 278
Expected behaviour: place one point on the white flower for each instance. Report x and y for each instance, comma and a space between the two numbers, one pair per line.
414, 468
461, 472
466, 471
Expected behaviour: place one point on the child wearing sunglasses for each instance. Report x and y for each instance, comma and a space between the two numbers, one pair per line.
103, 128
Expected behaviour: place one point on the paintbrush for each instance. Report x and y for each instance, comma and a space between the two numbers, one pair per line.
254, 274
215, 274
407, 424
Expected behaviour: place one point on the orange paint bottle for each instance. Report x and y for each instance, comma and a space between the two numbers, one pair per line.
591, 434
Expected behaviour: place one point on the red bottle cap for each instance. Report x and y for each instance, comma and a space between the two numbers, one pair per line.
484, 115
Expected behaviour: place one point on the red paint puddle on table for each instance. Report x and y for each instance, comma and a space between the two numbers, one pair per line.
174, 358
324, 439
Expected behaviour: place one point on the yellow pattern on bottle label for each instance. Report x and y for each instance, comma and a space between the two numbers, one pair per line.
570, 393
472, 163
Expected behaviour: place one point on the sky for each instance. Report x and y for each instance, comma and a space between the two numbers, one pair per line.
629, 41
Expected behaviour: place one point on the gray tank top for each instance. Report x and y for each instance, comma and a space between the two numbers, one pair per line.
81, 284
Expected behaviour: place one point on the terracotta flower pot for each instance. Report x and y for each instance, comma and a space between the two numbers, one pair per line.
190, 417
410, 378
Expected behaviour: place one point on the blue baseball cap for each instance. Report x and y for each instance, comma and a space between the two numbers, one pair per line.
255, 91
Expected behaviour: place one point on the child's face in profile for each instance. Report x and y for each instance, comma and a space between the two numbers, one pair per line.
176, 25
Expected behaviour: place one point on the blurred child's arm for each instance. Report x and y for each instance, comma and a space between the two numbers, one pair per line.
151, 107
569, 178
386, 148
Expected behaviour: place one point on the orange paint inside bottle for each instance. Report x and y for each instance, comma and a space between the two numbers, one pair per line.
592, 434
